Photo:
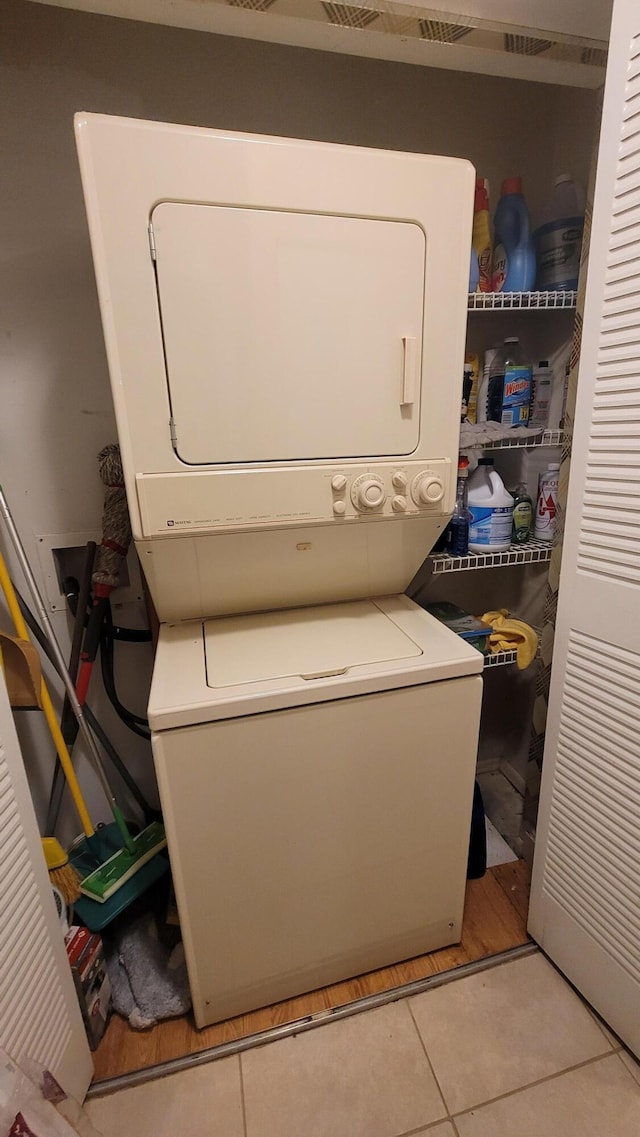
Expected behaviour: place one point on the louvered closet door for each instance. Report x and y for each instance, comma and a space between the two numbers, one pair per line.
39, 1014
585, 905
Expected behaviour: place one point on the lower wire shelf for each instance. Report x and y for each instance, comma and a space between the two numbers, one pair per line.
500, 658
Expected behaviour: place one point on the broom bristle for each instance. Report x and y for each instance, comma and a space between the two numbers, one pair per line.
67, 880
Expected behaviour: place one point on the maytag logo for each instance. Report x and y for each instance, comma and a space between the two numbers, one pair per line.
170, 524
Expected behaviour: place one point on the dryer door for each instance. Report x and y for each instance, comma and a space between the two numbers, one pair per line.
289, 335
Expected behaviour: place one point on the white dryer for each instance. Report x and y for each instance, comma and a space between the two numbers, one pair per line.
284, 323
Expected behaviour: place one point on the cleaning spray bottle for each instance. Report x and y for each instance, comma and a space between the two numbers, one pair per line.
509, 390
458, 530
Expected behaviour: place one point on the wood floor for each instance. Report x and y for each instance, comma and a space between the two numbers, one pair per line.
495, 919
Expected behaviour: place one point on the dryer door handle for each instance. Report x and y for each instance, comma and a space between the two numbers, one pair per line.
409, 371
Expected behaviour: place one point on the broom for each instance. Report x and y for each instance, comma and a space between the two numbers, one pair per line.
137, 851
61, 873
116, 538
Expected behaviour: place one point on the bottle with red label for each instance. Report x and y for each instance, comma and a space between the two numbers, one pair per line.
547, 503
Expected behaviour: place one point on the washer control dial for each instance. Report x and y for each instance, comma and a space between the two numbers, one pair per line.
367, 492
399, 480
338, 482
399, 503
427, 489
339, 508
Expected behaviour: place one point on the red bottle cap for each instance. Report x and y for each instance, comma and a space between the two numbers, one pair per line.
463, 462
482, 195
511, 185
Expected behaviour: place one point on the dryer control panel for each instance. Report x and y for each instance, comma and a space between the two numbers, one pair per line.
228, 501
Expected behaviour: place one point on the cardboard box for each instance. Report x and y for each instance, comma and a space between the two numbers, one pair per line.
86, 959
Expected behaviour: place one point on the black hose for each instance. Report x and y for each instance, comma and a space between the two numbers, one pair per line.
129, 635
150, 814
108, 632
136, 723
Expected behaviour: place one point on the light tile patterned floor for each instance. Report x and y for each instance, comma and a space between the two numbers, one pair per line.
511, 1051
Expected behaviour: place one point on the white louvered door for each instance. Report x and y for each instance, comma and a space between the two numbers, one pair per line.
39, 1014
585, 903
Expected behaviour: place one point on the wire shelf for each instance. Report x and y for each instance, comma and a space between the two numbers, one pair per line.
547, 438
519, 301
534, 552
500, 658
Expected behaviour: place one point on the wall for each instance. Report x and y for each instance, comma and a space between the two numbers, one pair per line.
56, 402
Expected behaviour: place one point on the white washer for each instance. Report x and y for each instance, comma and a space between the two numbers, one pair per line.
316, 771
285, 325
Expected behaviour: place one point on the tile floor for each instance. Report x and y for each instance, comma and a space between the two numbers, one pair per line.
498, 852
508, 1052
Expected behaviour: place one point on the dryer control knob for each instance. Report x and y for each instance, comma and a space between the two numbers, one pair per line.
399, 480
427, 489
399, 504
367, 492
339, 508
338, 482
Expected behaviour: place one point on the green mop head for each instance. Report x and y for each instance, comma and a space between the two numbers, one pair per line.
119, 868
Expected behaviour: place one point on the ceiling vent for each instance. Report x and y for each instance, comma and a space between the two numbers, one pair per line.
441, 32
526, 45
349, 15
253, 5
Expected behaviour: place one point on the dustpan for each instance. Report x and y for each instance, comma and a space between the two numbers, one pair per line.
98, 914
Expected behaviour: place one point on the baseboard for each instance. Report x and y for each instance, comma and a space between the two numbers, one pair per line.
511, 774
488, 766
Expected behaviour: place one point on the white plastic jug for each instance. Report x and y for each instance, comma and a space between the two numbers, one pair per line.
558, 239
491, 510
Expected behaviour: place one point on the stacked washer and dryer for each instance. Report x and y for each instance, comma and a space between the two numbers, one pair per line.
285, 322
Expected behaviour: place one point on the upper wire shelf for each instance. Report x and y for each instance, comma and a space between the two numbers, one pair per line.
519, 301
533, 552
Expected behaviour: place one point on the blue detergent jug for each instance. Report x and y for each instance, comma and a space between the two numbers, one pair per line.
474, 272
514, 258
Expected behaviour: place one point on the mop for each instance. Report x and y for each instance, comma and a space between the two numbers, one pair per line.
136, 852
116, 538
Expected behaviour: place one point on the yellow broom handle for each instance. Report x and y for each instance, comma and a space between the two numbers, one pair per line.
47, 705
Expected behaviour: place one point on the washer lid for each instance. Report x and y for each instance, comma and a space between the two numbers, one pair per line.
402, 644
308, 643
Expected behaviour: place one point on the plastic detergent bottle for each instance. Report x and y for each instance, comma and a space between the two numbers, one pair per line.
481, 239
474, 274
509, 389
541, 389
547, 503
558, 240
514, 258
522, 516
470, 376
491, 510
458, 531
